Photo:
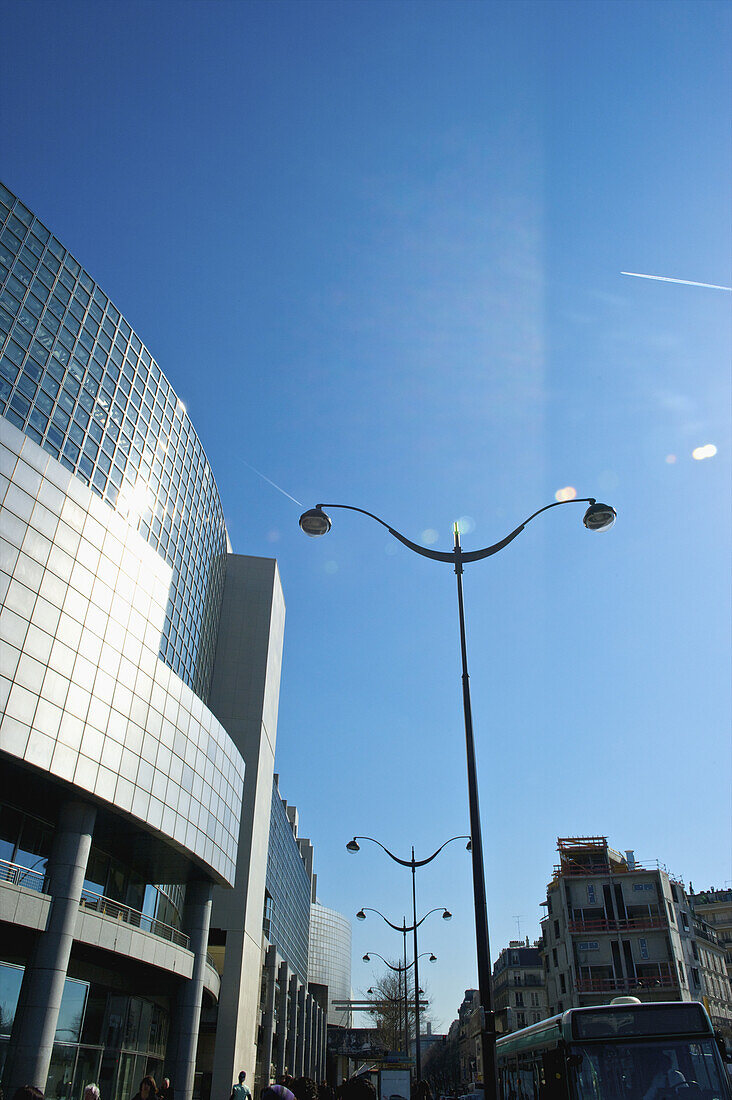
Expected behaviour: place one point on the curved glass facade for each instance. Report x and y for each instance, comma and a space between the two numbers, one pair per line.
329, 962
76, 379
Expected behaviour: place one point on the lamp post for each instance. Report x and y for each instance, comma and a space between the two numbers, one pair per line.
413, 864
598, 517
403, 928
399, 970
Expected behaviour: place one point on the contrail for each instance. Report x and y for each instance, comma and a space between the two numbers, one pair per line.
273, 484
666, 279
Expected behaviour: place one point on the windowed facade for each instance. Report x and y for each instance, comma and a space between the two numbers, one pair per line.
80, 383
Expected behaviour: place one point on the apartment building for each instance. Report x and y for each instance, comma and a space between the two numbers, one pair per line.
519, 986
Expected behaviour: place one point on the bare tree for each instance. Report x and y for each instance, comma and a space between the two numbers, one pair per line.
388, 993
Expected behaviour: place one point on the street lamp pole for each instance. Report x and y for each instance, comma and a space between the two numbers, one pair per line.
403, 970
598, 517
403, 928
413, 864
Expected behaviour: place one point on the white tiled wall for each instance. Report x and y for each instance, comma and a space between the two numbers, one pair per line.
82, 690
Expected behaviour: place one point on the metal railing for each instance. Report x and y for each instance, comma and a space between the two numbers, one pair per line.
664, 978
627, 924
19, 875
101, 904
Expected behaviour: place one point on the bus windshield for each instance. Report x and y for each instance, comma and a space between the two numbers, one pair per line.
669, 1069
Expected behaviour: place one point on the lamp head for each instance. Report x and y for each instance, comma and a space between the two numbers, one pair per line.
353, 846
469, 846
367, 958
370, 992
447, 915
599, 517
360, 915
433, 958
314, 522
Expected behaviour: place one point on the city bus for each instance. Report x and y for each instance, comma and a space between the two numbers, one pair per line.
621, 1051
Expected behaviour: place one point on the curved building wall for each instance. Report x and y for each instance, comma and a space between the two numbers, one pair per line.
330, 958
79, 382
84, 693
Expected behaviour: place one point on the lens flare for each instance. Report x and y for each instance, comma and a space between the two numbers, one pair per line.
429, 536
567, 493
670, 459
707, 451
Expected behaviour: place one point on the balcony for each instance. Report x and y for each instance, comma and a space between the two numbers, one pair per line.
18, 875
655, 978
630, 924
98, 903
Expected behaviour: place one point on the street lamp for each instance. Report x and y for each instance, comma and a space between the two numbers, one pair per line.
404, 928
413, 864
598, 517
399, 970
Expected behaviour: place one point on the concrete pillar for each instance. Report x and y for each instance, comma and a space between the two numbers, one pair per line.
321, 1045
196, 920
270, 967
282, 1020
300, 1033
291, 1048
308, 1036
31, 1041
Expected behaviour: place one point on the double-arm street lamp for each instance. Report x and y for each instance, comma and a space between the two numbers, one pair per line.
404, 928
399, 970
598, 517
413, 864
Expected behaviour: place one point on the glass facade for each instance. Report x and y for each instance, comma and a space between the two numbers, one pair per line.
288, 889
329, 962
77, 380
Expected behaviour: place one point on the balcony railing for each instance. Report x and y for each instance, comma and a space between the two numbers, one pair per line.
628, 924
19, 875
664, 978
101, 904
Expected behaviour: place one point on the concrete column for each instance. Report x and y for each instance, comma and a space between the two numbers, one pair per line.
31, 1041
300, 1034
291, 1048
270, 966
316, 1042
321, 1045
282, 1021
308, 1036
196, 920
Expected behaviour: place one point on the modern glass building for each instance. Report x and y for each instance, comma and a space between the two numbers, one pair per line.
77, 380
122, 746
288, 891
330, 958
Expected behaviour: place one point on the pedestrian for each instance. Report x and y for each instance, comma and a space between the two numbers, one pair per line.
166, 1090
277, 1092
28, 1092
241, 1091
91, 1092
148, 1090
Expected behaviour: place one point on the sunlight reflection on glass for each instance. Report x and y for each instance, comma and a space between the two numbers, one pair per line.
567, 493
707, 451
135, 500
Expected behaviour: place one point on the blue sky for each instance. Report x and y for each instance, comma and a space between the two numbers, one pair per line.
377, 248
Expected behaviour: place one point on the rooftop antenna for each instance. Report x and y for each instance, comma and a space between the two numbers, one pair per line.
517, 918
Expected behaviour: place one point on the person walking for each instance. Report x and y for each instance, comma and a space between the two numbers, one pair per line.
241, 1091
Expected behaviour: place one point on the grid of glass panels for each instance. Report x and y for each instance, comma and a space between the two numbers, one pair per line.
289, 888
77, 380
329, 962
